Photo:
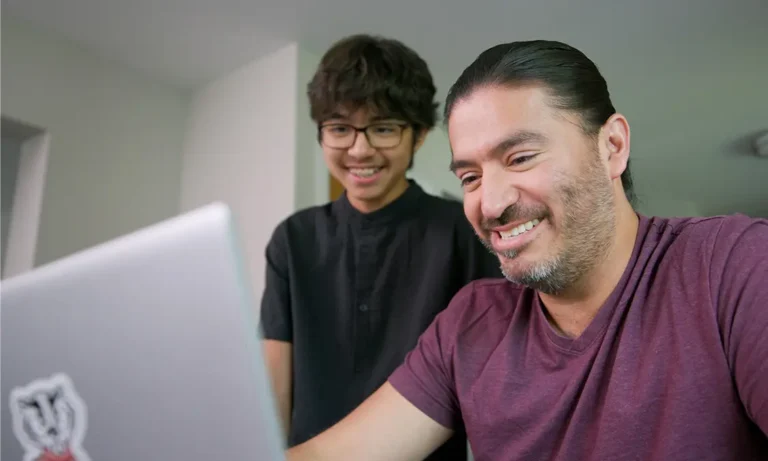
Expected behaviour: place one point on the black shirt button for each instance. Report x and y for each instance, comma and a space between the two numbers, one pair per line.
363, 307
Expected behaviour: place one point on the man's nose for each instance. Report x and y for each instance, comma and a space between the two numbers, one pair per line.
498, 193
360, 148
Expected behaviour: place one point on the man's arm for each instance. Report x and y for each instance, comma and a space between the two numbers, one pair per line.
278, 356
386, 427
740, 266
277, 326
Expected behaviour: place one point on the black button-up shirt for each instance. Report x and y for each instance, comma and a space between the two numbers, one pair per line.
353, 292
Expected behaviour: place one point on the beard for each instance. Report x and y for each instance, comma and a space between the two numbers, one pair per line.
586, 228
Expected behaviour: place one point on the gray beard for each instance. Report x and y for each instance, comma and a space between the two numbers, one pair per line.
587, 228
550, 277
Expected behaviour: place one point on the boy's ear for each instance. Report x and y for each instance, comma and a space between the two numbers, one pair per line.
421, 136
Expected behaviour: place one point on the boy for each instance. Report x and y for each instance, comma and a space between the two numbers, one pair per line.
351, 285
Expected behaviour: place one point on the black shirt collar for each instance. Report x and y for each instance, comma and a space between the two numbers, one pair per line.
403, 206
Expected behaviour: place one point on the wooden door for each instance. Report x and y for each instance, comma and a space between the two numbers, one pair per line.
335, 189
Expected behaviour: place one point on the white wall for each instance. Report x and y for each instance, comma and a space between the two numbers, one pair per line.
241, 148
430, 166
115, 139
311, 173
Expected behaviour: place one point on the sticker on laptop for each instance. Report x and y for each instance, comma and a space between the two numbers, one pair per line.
49, 420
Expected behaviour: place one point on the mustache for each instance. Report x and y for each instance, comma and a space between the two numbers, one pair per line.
514, 212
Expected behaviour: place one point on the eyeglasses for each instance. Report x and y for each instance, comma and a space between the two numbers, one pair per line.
379, 135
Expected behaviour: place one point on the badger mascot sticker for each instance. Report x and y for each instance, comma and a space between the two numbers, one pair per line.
50, 420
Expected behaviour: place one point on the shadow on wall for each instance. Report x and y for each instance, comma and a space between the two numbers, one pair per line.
11, 154
24, 166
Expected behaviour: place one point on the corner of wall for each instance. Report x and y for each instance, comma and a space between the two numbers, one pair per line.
311, 175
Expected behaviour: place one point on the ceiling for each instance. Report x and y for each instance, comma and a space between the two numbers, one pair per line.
189, 42
689, 74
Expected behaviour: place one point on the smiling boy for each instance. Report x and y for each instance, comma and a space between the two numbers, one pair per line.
352, 284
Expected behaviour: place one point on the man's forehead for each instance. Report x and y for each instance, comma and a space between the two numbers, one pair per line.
476, 141
503, 103
492, 116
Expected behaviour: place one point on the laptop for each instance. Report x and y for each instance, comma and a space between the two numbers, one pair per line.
142, 348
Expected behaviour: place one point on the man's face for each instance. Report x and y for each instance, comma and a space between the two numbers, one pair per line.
372, 171
536, 190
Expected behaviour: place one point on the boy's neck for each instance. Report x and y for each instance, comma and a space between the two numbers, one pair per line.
369, 206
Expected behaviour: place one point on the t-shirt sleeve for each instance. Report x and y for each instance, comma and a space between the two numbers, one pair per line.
740, 262
426, 378
275, 317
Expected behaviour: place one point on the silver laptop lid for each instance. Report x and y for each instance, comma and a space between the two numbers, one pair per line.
143, 348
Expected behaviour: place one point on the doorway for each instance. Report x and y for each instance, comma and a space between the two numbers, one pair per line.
335, 189
24, 165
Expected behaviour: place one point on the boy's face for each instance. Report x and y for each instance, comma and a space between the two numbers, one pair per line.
370, 164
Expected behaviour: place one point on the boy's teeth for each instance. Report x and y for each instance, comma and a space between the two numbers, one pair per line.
364, 172
522, 228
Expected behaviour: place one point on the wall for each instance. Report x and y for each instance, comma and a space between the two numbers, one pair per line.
116, 139
241, 148
311, 172
11, 154
430, 166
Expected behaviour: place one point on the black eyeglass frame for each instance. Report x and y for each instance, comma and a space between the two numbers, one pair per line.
364, 130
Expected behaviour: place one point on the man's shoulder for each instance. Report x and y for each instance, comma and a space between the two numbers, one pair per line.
712, 233
482, 303
716, 254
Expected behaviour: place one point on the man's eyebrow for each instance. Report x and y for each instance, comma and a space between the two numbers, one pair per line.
517, 138
512, 141
458, 164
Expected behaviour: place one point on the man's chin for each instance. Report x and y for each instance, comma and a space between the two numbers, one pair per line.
518, 267
520, 276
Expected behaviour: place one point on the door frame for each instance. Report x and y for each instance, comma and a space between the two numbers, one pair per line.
21, 248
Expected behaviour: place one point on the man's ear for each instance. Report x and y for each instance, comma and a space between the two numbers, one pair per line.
614, 144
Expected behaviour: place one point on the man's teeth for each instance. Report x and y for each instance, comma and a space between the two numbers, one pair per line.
522, 228
364, 172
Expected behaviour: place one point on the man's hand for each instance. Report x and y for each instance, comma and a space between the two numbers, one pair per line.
386, 427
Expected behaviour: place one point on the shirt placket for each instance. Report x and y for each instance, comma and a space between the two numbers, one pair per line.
365, 276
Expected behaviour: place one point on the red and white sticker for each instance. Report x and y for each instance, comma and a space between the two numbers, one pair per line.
50, 420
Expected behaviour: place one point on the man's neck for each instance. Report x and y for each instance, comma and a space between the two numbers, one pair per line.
369, 206
572, 311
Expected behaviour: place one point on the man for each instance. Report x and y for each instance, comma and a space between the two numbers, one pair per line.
616, 337
351, 285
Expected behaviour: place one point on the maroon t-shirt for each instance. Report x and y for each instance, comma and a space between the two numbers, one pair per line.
673, 367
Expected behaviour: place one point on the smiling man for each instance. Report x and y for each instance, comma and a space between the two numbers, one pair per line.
351, 285
616, 336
